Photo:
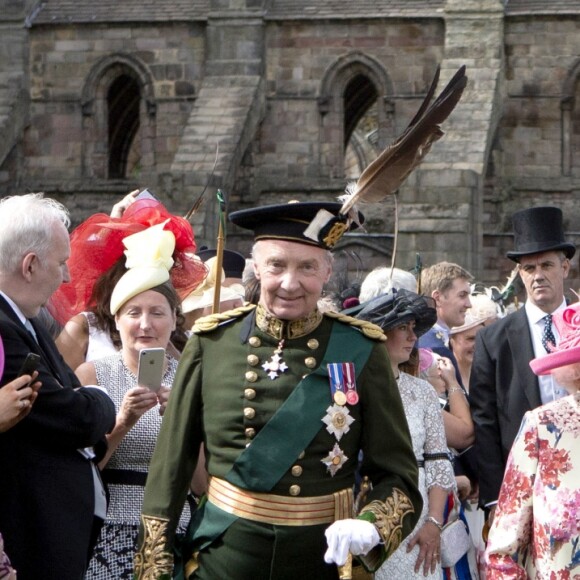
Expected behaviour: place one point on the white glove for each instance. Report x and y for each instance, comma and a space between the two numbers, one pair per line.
354, 536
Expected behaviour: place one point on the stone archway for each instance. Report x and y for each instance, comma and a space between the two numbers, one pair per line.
355, 90
117, 137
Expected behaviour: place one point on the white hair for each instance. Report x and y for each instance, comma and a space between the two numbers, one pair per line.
248, 275
380, 281
26, 225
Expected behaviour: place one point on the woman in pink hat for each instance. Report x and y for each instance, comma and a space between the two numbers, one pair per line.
536, 530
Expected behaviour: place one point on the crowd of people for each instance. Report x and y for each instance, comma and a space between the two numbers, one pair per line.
408, 426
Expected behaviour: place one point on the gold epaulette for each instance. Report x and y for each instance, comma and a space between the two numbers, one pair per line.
212, 321
369, 329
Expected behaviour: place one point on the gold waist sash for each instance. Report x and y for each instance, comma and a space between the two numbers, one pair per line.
279, 509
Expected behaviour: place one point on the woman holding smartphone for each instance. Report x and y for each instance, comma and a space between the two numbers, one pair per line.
97, 263
146, 309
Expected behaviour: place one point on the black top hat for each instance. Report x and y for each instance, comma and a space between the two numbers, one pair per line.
398, 307
233, 263
289, 221
539, 229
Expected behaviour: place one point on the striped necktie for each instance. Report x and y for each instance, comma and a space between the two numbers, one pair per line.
548, 338
30, 328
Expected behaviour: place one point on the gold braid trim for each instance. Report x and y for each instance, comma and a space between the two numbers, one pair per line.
369, 329
388, 518
152, 561
212, 321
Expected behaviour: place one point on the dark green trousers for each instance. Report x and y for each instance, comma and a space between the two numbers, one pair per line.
255, 551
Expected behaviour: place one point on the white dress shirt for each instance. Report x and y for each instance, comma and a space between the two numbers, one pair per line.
549, 388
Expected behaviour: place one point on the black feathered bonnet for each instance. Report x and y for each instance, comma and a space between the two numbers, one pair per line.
398, 307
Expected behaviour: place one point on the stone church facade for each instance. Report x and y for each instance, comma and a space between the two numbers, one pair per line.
288, 99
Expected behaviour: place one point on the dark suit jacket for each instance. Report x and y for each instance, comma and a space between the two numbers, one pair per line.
46, 486
502, 388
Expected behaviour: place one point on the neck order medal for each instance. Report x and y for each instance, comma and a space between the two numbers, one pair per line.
276, 364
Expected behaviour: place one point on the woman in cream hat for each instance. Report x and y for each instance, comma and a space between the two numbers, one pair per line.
97, 263
462, 342
146, 310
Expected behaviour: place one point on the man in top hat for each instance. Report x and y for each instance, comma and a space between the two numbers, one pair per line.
284, 398
503, 387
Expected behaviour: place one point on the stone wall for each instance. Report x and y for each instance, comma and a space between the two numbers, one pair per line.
527, 162
67, 64
271, 91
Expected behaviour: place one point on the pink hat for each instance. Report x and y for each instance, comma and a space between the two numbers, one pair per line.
426, 359
568, 350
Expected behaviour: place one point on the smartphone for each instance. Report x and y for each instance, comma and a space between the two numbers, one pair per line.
150, 371
29, 365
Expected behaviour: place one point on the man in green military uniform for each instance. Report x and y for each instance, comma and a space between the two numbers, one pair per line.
284, 399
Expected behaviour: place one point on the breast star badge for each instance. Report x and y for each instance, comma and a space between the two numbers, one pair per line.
338, 420
275, 364
335, 460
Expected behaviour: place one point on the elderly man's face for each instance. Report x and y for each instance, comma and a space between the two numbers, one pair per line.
543, 276
291, 277
48, 272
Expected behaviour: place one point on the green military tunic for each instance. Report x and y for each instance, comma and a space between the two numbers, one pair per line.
224, 394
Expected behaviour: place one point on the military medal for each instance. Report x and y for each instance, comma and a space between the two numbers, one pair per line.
342, 383
335, 460
275, 364
337, 386
351, 394
338, 420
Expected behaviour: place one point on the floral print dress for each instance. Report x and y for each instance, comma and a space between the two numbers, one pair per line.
536, 531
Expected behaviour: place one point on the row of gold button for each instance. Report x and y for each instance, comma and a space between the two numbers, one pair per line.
296, 471
255, 341
252, 376
250, 394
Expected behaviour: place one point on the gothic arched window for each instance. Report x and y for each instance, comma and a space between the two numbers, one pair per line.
354, 104
361, 125
123, 103
118, 119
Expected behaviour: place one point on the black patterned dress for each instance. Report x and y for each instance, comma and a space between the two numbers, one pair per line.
113, 555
